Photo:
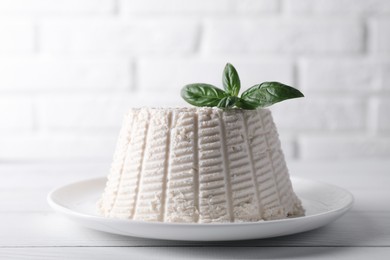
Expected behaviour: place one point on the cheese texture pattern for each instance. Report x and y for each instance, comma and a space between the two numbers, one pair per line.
199, 165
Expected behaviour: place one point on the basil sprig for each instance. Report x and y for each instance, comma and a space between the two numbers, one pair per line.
202, 95
268, 93
258, 96
231, 80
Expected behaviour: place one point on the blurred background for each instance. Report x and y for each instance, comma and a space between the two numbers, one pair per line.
69, 69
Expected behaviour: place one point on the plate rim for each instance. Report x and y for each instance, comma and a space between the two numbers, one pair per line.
72, 213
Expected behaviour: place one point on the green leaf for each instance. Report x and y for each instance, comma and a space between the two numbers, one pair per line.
231, 80
241, 103
202, 95
266, 94
227, 102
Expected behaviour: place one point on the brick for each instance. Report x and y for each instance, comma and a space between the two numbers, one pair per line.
82, 146
16, 36
340, 147
174, 6
62, 73
110, 36
320, 113
379, 35
343, 75
256, 6
381, 118
337, 6
16, 114
54, 7
99, 113
283, 36
173, 74
197, 6
83, 112
385, 76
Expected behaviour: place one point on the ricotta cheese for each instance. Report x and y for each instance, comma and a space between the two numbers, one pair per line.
199, 165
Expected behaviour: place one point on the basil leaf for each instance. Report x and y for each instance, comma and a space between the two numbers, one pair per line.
241, 103
231, 80
202, 95
227, 102
268, 93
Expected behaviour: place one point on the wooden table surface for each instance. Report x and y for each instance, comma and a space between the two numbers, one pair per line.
29, 229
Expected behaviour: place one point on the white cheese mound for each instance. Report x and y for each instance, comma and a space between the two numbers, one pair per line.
199, 165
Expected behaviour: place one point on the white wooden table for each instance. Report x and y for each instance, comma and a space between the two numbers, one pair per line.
29, 229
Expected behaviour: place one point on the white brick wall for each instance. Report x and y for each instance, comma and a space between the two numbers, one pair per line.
348, 75
114, 36
380, 38
69, 69
340, 7
56, 147
381, 120
178, 72
16, 114
321, 114
17, 36
62, 73
198, 7
174, 6
280, 35
83, 112
255, 6
346, 146
56, 7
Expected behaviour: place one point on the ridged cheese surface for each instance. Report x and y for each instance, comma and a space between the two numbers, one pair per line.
199, 165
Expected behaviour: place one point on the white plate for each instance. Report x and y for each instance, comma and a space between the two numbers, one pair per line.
323, 203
